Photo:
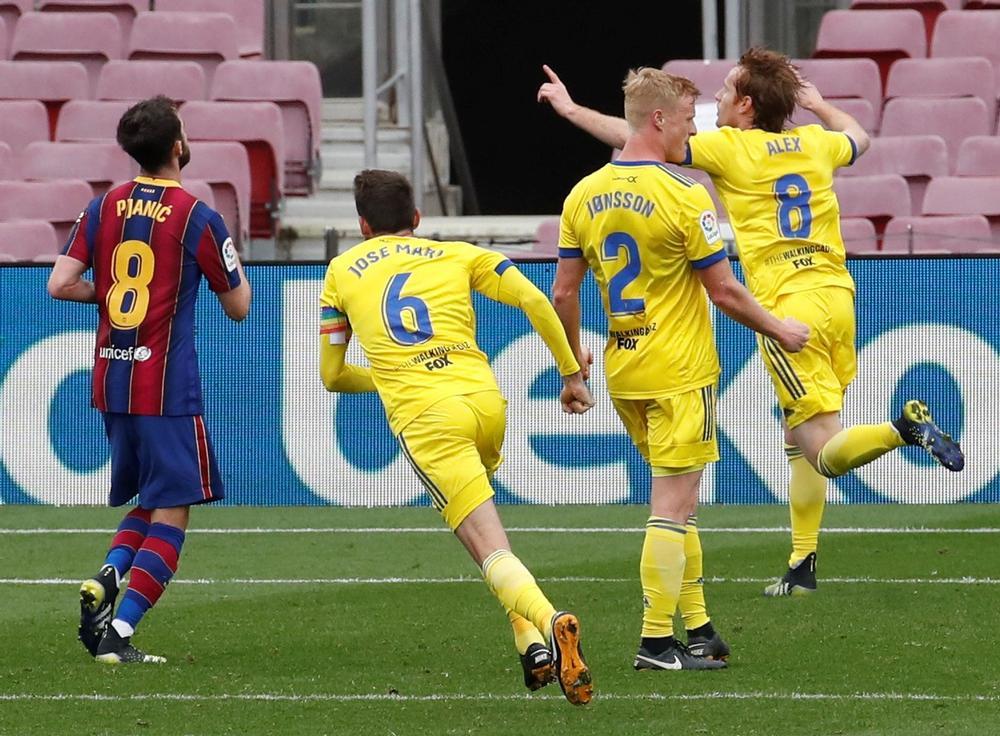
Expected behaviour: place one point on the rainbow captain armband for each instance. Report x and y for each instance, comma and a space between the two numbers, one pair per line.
334, 324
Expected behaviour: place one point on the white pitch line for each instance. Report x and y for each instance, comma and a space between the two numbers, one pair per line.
525, 530
478, 580
490, 697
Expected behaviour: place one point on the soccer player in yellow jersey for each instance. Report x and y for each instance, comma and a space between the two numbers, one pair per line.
652, 240
409, 302
776, 185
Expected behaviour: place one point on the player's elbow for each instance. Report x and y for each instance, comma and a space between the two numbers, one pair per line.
725, 294
862, 140
564, 295
56, 286
236, 303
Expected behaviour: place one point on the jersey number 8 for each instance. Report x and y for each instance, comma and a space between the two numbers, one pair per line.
132, 270
794, 214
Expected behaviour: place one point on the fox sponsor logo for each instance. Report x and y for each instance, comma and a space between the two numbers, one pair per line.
138, 354
437, 363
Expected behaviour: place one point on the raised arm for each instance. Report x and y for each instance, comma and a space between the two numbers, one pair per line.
606, 128
733, 299
833, 117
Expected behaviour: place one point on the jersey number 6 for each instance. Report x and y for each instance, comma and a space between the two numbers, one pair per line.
395, 306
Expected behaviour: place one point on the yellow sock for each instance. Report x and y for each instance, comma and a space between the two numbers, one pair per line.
661, 569
856, 446
692, 600
525, 633
517, 590
806, 500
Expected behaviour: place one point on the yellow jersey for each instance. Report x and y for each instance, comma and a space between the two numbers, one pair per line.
644, 229
408, 300
778, 191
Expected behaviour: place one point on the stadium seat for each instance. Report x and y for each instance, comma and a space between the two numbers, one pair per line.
944, 77
89, 38
876, 197
8, 169
26, 240
11, 10
838, 79
124, 10
979, 156
102, 165
707, 76
52, 82
982, 4
248, 14
208, 38
881, 35
861, 110
928, 9
137, 80
965, 234
22, 122
4, 39
858, 234
963, 33
954, 119
259, 127
201, 190
225, 167
90, 120
295, 87
547, 237
914, 157
973, 195
59, 202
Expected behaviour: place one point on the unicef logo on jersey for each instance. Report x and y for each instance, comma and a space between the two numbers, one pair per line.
139, 354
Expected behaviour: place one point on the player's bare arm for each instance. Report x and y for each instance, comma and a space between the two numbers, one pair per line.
566, 300
66, 281
833, 117
606, 128
733, 299
236, 302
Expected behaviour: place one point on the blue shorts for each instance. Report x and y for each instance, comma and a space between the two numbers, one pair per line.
167, 461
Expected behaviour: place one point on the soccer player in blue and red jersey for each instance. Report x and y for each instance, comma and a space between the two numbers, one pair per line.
149, 243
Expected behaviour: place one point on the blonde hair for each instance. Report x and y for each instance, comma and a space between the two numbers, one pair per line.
647, 89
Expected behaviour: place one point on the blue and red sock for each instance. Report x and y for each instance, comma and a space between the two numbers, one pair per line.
153, 567
128, 539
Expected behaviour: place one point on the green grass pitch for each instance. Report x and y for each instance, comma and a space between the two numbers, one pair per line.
376, 632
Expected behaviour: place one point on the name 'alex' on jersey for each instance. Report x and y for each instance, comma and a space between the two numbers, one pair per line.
149, 242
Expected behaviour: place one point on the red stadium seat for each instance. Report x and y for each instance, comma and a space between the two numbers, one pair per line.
89, 38
208, 38
979, 156
248, 14
547, 237
928, 9
200, 190
838, 79
295, 87
8, 170
4, 38
124, 10
965, 234
27, 240
137, 80
89, 120
954, 119
973, 195
860, 110
259, 127
944, 77
859, 235
22, 122
103, 165
707, 76
914, 157
881, 35
963, 33
982, 4
52, 82
876, 197
226, 168
11, 10
58, 202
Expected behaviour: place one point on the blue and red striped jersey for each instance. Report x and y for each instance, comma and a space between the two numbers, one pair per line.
149, 242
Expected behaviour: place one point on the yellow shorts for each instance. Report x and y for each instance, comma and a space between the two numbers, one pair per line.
454, 448
813, 381
677, 432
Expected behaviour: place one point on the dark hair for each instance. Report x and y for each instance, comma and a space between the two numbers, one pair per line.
148, 130
385, 200
768, 78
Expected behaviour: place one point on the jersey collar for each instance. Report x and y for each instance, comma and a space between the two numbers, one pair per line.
156, 182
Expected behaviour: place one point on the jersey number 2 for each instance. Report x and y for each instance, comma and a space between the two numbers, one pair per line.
131, 271
613, 245
794, 215
395, 306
